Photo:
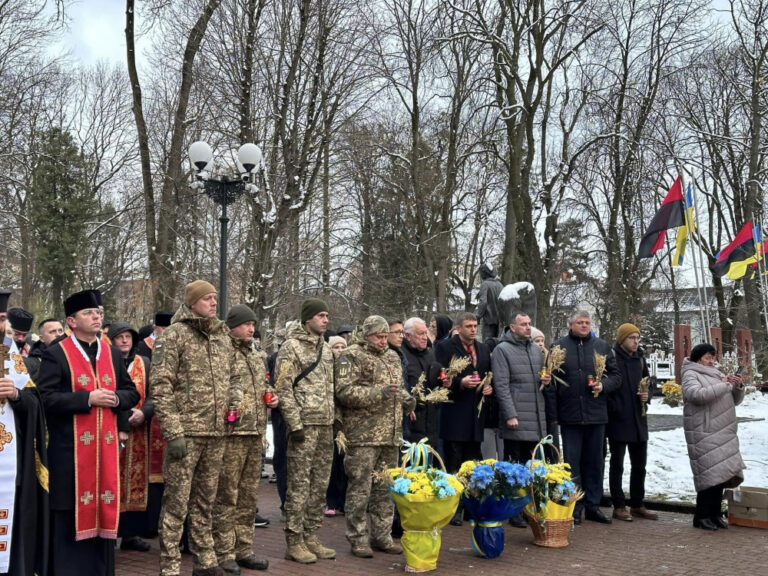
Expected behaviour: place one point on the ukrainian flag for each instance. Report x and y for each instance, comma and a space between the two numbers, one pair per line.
685, 229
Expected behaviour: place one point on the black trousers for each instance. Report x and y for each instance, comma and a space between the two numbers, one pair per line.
280, 454
336, 493
457, 452
583, 450
638, 455
518, 450
709, 502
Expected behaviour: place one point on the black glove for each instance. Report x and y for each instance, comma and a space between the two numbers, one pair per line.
176, 449
297, 436
389, 393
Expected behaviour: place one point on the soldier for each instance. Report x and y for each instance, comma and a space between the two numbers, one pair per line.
192, 386
372, 394
305, 385
237, 495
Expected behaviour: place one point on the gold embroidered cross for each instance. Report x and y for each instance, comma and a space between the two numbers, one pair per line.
5, 437
86, 498
107, 497
83, 380
109, 437
106, 380
87, 438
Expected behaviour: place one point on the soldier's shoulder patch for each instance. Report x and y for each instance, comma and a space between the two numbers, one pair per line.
158, 352
285, 364
344, 367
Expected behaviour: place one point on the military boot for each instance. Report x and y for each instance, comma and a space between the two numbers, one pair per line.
296, 550
314, 545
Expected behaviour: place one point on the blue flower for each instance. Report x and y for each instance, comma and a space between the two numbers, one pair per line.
515, 474
444, 489
401, 486
482, 475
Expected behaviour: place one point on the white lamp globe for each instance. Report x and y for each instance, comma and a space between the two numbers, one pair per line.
200, 154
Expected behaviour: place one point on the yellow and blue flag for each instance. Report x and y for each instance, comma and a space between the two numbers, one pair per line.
687, 228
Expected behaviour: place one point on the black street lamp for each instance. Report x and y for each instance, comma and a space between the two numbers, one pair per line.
224, 192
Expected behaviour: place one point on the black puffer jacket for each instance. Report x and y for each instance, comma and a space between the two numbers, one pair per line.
625, 420
575, 403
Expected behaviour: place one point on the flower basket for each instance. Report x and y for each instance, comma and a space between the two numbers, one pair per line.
426, 499
493, 492
488, 516
553, 499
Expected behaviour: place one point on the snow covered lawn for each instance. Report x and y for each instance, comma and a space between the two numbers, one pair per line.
669, 472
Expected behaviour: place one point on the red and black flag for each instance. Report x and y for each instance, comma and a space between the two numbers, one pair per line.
670, 215
744, 250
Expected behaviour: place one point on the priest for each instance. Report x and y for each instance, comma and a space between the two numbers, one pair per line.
24, 510
84, 386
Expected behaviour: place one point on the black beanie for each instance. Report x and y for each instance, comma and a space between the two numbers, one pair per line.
311, 307
240, 314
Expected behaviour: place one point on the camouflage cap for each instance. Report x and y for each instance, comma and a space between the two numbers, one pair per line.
375, 325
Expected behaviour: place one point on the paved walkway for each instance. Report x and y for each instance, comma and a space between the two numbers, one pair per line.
669, 547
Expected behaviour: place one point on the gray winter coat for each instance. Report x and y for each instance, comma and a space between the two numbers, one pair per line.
516, 365
709, 421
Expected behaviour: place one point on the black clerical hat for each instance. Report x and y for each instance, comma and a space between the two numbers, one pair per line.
20, 319
163, 319
80, 301
4, 295
99, 299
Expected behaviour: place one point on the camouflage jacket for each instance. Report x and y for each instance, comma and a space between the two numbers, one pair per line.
192, 379
310, 402
251, 365
362, 372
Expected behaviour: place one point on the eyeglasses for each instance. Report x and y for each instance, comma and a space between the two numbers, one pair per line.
633, 338
397, 332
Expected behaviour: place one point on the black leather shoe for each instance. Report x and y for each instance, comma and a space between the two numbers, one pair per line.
135, 544
518, 521
577, 520
597, 516
456, 520
253, 562
720, 522
704, 524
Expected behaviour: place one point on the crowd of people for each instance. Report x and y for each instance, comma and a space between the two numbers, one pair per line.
117, 433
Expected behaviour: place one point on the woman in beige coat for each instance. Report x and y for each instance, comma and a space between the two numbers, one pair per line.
709, 420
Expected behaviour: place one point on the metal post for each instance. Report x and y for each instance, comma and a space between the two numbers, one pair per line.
223, 262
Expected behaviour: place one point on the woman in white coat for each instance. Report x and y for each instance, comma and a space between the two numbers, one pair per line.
709, 420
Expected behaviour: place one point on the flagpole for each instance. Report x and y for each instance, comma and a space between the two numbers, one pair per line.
693, 227
760, 267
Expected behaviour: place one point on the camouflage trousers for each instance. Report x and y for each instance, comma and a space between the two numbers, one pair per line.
366, 494
309, 468
190, 487
237, 497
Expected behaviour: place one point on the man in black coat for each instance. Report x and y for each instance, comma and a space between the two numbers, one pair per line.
461, 428
581, 409
92, 555
628, 426
421, 360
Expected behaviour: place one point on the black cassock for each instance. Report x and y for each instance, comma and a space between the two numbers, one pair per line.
30, 539
94, 556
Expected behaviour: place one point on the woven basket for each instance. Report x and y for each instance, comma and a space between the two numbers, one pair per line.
552, 534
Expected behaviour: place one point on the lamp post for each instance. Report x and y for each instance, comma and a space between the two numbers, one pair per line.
224, 192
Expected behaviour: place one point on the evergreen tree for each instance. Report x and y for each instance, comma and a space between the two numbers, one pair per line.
60, 205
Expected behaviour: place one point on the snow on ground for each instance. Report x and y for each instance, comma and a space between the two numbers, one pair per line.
669, 474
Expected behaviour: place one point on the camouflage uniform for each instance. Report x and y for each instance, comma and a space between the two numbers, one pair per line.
373, 427
237, 495
308, 406
192, 385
